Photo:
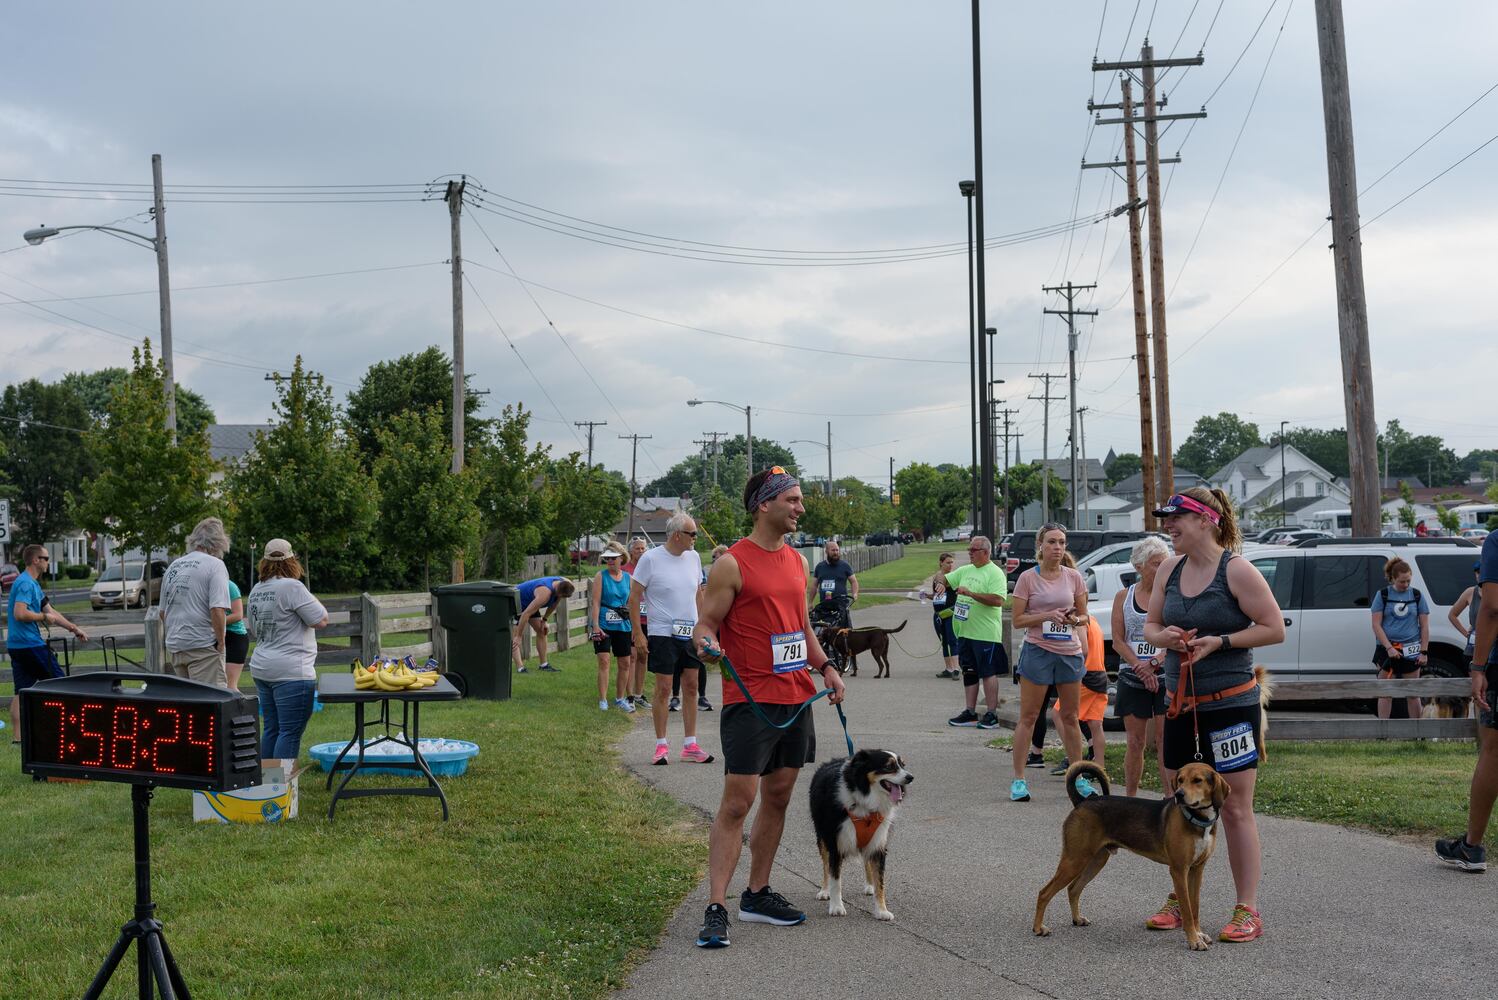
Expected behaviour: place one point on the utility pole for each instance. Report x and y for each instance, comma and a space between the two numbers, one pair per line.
454, 199
1086, 491
1347, 255
590, 424
1071, 312
1006, 413
892, 479
634, 454
1045, 446
1147, 63
164, 289
716, 450
1283, 511
985, 449
829, 458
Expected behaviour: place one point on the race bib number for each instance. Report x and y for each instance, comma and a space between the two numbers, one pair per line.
1144, 650
611, 617
682, 629
828, 586
959, 612
1411, 650
1055, 630
788, 652
1234, 747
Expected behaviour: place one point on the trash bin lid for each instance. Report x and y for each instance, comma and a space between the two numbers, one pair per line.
476, 588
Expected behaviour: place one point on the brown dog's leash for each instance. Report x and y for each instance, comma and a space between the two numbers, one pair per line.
1188, 676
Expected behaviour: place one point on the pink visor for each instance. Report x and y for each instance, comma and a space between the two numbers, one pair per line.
1179, 503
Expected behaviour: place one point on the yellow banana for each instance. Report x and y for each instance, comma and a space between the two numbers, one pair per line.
385, 682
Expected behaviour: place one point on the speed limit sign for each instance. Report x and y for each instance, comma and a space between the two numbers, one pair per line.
4, 522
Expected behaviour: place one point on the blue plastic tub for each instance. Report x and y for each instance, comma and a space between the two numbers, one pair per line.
446, 763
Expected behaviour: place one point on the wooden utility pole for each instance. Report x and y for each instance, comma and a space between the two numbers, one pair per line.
634, 454
590, 424
1071, 312
454, 199
1006, 413
1082, 425
1045, 446
1347, 255
1147, 64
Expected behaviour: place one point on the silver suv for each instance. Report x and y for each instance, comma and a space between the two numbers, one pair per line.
1325, 588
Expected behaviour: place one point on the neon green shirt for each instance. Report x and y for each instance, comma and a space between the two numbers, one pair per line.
973, 619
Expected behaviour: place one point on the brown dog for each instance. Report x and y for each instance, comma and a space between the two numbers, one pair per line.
851, 641
1179, 832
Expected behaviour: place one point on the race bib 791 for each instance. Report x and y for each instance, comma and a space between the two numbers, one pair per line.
788, 652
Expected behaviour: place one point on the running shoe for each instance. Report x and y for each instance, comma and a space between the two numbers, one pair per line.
548, 668
990, 720
674, 705
769, 907
694, 754
1086, 788
967, 717
1060, 768
1245, 925
1019, 791
521, 669
945, 674
640, 699
714, 933
662, 754
1035, 760
703, 705
1168, 917
1460, 854
603, 704
623, 705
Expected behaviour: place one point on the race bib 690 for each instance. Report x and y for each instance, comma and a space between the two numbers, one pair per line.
788, 652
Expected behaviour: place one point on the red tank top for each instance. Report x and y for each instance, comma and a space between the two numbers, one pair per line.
762, 623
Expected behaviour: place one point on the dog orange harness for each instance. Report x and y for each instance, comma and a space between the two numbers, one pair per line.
866, 826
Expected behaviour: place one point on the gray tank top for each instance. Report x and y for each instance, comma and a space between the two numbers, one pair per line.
1134, 636
1472, 610
1212, 612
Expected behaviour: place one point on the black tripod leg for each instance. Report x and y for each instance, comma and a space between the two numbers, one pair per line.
183, 993
151, 945
101, 979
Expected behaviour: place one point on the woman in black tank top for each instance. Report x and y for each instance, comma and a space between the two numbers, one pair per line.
1218, 606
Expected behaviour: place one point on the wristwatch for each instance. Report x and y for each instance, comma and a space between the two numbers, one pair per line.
1226, 640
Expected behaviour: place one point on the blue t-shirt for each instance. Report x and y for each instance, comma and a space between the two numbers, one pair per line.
832, 579
1401, 613
528, 591
1488, 573
237, 628
24, 635
613, 603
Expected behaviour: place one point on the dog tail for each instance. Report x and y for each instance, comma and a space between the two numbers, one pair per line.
1094, 774
892, 631
1266, 693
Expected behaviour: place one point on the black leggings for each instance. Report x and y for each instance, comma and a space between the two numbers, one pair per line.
1037, 736
701, 682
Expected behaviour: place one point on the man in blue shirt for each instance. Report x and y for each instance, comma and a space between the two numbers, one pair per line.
1466, 851
31, 659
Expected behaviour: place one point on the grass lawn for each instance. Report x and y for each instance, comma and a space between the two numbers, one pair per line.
1401, 788
904, 573
554, 876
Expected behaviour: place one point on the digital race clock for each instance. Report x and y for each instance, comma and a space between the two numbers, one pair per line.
145, 729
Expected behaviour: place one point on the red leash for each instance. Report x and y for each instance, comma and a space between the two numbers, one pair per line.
1188, 675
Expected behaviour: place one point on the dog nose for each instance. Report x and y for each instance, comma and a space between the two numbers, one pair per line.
909, 777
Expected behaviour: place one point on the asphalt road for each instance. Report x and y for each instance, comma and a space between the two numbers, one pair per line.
1347, 914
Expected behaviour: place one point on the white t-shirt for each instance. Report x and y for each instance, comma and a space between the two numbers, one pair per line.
281, 612
671, 584
193, 586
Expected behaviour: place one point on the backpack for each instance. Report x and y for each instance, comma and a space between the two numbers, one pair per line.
1414, 599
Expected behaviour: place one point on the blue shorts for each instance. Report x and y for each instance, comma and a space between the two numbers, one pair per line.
30, 664
979, 660
1041, 666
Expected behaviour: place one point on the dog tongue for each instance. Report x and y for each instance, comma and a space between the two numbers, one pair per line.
896, 793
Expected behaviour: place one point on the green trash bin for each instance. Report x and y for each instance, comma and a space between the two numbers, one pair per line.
478, 617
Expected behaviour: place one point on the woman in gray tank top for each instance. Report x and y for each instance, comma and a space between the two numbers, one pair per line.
1140, 700
1219, 607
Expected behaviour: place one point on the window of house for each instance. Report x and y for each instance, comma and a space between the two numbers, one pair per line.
1245, 489
1320, 488
1300, 489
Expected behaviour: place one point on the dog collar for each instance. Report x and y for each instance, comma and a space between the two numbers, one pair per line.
1193, 816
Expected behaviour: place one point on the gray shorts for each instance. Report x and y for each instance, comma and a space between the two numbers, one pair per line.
1041, 666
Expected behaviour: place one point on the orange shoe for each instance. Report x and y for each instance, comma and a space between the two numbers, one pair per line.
1169, 916
1246, 925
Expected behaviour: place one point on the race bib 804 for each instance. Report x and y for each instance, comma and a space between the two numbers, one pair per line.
788, 652
1234, 747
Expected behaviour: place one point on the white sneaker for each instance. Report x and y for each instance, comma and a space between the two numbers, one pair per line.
623, 705
603, 705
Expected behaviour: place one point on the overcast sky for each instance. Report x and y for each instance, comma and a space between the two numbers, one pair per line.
806, 126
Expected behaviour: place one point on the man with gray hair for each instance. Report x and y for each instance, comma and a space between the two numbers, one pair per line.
195, 605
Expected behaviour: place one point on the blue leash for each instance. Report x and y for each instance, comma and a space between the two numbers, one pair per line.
734, 674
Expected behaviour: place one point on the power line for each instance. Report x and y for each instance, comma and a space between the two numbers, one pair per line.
222, 284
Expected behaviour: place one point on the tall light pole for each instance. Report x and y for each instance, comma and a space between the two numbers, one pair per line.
993, 432
163, 284
747, 411
1283, 512
967, 188
819, 444
986, 491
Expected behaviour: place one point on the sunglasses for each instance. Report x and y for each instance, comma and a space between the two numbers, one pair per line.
689, 534
777, 470
1179, 503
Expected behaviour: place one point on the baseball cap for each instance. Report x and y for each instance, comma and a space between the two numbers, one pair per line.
278, 549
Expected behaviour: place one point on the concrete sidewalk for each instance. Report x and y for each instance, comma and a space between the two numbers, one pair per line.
1347, 914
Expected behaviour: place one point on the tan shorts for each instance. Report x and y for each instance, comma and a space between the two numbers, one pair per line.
205, 665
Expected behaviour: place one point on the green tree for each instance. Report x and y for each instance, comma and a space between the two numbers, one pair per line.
1419, 456
410, 383
193, 412
1025, 487
825, 516
932, 497
303, 481
583, 502
718, 518
43, 456
427, 514
1407, 509
1451, 521
1122, 467
687, 477
512, 502
147, 491
1327, 448
1216, 441
1483, 462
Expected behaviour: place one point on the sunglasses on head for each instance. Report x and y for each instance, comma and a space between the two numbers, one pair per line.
1190, 505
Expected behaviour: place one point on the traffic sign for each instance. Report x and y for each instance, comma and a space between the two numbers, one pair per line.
4, 522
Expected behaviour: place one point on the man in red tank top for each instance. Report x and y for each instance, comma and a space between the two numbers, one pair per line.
754, 611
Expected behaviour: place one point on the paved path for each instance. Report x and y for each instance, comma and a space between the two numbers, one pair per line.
1349, 914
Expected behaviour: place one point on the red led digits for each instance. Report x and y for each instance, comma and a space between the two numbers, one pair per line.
62, 728
207, 742
127, 737
176, 734
84, 732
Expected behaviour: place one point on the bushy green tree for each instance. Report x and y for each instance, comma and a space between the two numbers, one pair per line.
95, 387
932, 497
1419, 456
1123, 466
719, 519
582, 502
687, 477
147, 491
1215, 441
42, 454
303, 481
512, 499
412, 383
1327, 448
427, 514
1025, 487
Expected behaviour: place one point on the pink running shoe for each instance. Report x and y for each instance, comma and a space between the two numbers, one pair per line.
1168, 917
662, 755
694, 753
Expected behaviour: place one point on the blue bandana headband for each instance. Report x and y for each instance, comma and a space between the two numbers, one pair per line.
776, 483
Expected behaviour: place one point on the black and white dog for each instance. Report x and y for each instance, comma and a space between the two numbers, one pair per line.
853, 800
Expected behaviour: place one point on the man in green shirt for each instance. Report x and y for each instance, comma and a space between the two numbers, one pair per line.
978, 619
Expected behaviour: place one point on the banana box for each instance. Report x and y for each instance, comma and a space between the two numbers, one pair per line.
274, 800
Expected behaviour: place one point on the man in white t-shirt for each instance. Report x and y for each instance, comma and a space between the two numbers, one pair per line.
668, 581
195, 605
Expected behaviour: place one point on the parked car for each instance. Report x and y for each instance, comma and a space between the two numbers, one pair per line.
881, 538
1305, 535
8, 575
1475, 534
1264, 536
1021, 555
949, 534
1107, 579
107, 590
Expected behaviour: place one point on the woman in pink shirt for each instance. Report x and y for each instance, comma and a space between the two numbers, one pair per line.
1050, 603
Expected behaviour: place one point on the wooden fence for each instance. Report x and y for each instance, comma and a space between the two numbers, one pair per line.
1290, 726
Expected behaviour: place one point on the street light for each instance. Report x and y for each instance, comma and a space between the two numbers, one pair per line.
993, 432
967, 188
36, 236
748, 426
819, 444
1283, 512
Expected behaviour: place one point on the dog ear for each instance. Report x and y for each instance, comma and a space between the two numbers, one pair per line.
1220, 790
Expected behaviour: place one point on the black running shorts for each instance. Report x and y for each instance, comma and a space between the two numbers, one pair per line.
1229, 739
621, 644
752, 747
668, 655
1137, 702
